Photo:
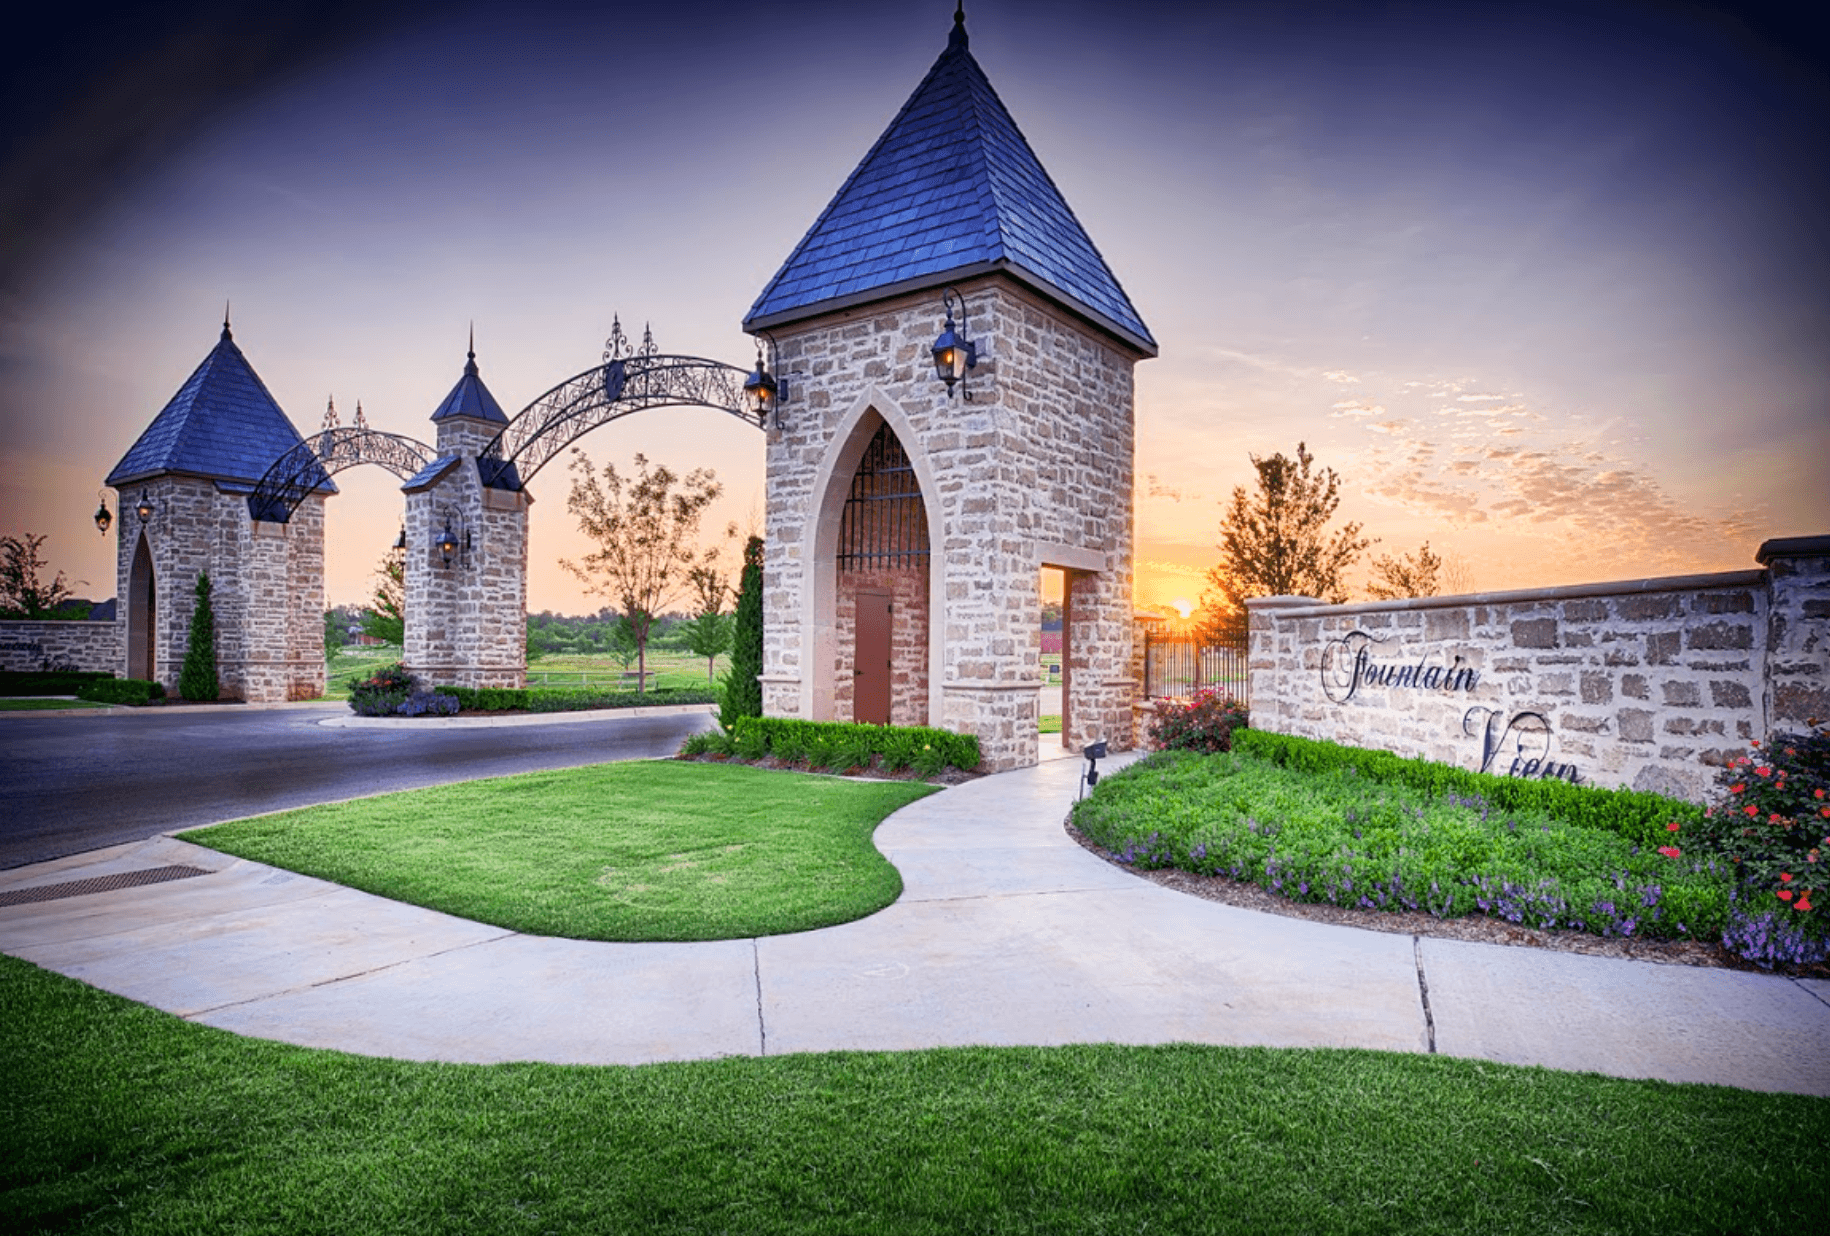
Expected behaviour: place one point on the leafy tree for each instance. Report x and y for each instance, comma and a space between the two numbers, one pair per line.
646, 531
1276, 542
626, 644
336, 633
22, 593
742, 690
197, 680
1411, 575
708, 633
386, 617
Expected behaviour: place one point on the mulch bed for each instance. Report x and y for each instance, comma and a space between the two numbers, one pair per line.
1480, 928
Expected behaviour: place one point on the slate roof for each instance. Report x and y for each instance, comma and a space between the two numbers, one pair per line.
222, 424
951, 189
471, 398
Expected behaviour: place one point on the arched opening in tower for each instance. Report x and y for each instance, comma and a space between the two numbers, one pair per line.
142, 615
883, 562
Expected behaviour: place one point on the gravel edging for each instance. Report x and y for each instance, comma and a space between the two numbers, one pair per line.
1477, 928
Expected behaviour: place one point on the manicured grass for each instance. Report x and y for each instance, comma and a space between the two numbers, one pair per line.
1050, 725
666, 667
631, 851
124, 1119
1340, 837
19, 705
352, 663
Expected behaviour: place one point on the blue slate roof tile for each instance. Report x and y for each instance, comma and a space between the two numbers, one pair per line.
471, 398
222, 424
950, 184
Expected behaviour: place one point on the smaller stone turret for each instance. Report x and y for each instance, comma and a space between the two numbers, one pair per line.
466, 567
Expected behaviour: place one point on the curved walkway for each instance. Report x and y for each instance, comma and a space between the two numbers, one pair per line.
1006, 933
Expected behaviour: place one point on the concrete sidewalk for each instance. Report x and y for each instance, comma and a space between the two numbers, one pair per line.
1006, 933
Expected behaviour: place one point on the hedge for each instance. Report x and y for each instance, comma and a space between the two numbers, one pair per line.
1634, 814
48, 682
121, 691
845, 744
571, 699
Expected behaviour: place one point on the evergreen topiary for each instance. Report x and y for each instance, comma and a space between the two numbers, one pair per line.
742, 691
197, 681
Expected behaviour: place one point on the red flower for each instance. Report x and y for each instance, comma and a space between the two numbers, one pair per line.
1737, 787
1785, 894
1785, 877
1752, 810
1804, 903
1671, 827
1819, 793
1773, 818
1763, 771
1669, 851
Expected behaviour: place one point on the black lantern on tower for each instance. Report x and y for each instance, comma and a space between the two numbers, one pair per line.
447, 542
144, 507
102, 517
954, 352
761, 392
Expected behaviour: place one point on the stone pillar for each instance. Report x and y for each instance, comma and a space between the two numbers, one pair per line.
1796, 677
466, 619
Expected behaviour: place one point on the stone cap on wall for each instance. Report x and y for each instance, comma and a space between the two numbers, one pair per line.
1793, 547
1306, 606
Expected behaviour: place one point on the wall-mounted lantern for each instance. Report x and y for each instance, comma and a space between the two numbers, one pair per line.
400, 542
102, 517
453, 542
954, 352
763, 393
144, 507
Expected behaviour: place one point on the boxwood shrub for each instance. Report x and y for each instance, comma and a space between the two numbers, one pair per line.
572, 699
839, 745
121, 691
1638, 816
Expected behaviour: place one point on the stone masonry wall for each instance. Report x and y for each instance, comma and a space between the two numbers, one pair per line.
466, 622
908, 589
1653, 684
98, 647
1037, 466
266, 586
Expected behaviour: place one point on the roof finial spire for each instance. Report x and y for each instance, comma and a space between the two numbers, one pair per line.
958, 37
225, 321
470, 356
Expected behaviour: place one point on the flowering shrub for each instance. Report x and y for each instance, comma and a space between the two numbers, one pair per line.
1206, 723
428, 704
1773, 824
382, 693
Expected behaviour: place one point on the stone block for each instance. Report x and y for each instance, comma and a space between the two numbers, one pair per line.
1726, 693
1634, 724
1682, 694
1535, 633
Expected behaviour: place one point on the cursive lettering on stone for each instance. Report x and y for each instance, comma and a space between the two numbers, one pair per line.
1347, 662
1525, 735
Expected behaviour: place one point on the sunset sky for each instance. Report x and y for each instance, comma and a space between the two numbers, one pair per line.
1545, 284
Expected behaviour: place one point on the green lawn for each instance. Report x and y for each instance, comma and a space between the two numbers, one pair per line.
654, 850
13, 704
120, 1118
666, 669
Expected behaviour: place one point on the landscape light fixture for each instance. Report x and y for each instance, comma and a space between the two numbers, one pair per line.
1095, 752
102, 517
400, 542
762, 394
954, 353
144, 507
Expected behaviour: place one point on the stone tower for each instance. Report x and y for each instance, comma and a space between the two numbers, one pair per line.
192, 471
906, 528
466, 565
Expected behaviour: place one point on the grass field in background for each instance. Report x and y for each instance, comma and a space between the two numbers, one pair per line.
649, 850
666, 669
123, 1118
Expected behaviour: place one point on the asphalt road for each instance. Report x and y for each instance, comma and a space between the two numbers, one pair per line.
76, 783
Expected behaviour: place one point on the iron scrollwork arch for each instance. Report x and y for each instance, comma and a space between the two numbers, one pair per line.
307, 466
628, 381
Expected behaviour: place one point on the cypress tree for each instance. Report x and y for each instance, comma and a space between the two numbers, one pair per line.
742, 691
197, 681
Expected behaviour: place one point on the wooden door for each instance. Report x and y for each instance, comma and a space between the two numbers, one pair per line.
871, 660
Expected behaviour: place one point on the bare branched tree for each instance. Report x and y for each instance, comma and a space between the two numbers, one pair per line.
22, 592
647, 532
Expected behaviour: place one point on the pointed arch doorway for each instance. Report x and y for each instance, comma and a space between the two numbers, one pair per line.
874, 583
142, 614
